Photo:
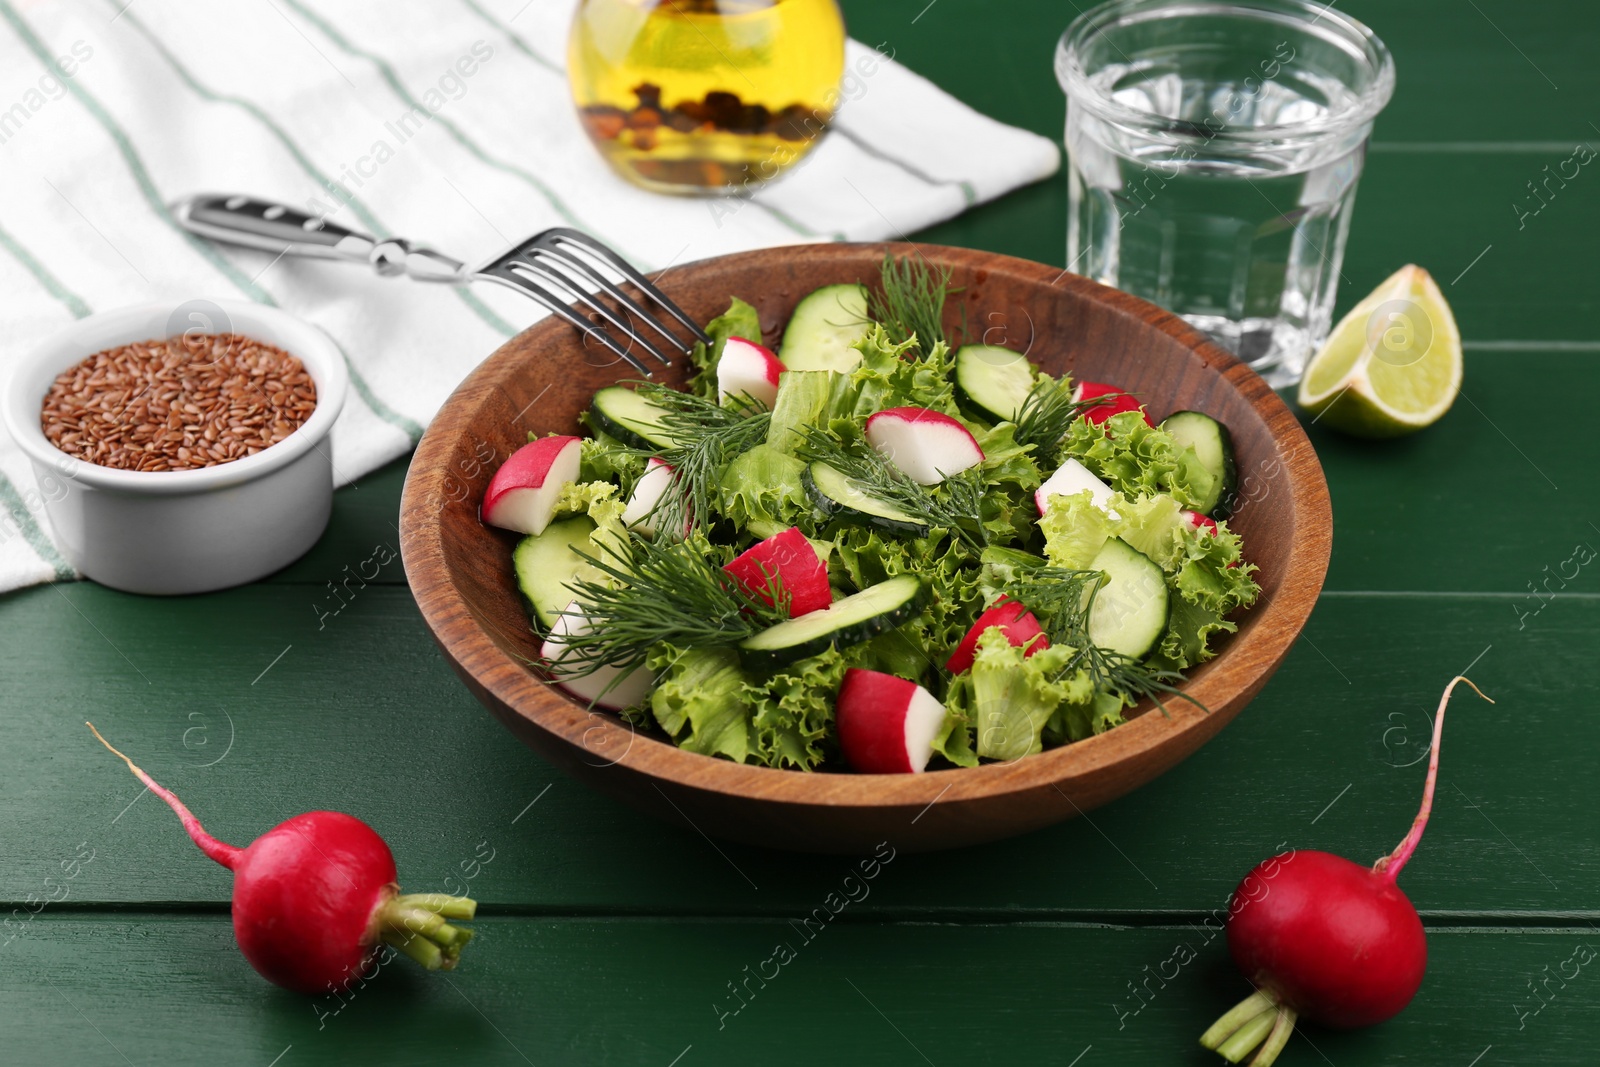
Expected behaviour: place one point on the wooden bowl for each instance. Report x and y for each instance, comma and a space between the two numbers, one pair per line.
541, 380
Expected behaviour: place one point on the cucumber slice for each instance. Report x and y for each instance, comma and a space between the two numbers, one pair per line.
1130, 609
845, 622
846, 500
1214, 446
823, 327
546, 562
992, 383
621, 413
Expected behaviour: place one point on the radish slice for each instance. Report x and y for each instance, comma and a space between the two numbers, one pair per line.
790, 559
1020, 625
746, 367
1118, 403
1200, 522
522, 494
886, 724
631, 685
927, 445
647, 493
1074, 477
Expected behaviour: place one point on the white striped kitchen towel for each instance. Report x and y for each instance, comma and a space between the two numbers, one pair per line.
111, 109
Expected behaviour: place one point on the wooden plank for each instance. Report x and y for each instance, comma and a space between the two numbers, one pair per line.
109, 990
1492, 72
1441, 211
362, 717
1478, 502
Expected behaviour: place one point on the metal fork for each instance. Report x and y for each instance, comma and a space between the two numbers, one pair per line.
545, 266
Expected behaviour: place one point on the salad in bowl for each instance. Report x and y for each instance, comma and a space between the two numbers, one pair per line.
870, 550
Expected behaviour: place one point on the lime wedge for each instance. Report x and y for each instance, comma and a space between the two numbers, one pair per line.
1391, 366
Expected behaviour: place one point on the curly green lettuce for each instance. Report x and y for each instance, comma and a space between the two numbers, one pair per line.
762, 492
1211, 580
602, 458
1075, 530
708, 704
890, 375
699, 701
1203, 569
863, 557
1135, 458
740, 320
1008, 698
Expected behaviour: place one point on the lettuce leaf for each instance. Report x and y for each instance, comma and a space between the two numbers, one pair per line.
954, 740
1155, 526
803, 401
699, 700
890, 376
1135, 458
1211, 573
1009, 698
1211, 581
1010, 477
605, 459
1189, 628
793, 710
1075, 530
1002, 567
740, 320
1076, 721
762, 491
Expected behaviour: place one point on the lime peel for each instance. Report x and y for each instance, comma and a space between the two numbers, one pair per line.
1392, 365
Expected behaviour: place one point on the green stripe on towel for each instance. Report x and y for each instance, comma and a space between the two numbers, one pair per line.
30, 530
393, 81
153, 199
74, 303
368, 219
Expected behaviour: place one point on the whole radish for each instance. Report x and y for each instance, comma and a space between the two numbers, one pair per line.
1325, 939
315, 895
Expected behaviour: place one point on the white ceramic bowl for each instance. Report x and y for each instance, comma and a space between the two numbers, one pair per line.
183, 531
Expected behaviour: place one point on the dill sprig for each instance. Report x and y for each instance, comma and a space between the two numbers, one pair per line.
657, 591
1046, 414
958, 508
909, 300
1061, 599
707, 437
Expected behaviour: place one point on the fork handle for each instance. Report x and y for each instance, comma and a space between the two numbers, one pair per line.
271, 227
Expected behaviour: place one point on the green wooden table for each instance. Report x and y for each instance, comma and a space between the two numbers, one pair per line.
608, 938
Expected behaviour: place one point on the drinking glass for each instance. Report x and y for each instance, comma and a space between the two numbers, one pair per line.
1213, 152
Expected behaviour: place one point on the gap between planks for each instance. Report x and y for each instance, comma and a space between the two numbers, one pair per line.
1484, 921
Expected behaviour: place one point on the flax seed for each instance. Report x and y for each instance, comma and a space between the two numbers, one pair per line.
185, 402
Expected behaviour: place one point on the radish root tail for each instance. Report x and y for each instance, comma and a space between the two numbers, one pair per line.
220, 851
1389, 866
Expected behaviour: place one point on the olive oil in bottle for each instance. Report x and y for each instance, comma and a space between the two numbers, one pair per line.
705, 96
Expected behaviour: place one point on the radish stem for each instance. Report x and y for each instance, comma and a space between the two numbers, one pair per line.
221, 851
1241, 1013
440, 904
1281, 1029
415, 925
1389, 866
1248, 1036
417, 947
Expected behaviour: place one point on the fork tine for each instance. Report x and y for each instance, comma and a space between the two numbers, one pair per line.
499, 272
538, 269
586, 271
560, 234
